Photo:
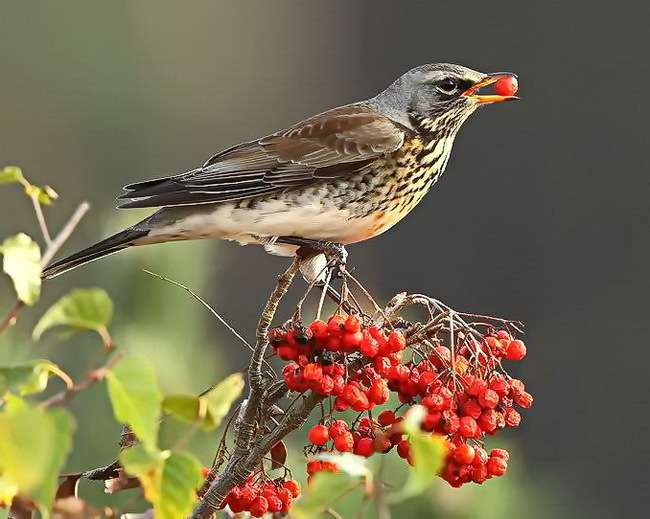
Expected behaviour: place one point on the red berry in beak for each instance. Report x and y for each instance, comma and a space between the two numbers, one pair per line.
506, 86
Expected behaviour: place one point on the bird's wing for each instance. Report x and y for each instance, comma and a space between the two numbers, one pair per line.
334, 144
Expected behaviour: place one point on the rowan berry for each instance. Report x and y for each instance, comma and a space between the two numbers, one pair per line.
506, 86
318, 435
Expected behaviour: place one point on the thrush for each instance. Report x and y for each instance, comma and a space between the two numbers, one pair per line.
337, 178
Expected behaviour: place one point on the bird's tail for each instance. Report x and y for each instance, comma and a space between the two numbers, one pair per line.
110, 245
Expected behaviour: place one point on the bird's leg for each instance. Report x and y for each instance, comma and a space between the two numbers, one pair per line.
332, 250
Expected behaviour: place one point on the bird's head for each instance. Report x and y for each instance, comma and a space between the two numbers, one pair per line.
438, 95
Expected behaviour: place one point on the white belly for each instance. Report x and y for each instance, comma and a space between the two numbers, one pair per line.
267, 220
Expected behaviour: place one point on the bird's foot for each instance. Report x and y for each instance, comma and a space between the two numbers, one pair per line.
332, 250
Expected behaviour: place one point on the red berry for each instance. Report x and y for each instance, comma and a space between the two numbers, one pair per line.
259, 507
477, 387
464, 454
319, 329
524, 399
382, 443
364, 447
506, 86
293, 487
275, 504
344, 442
471, 408
318, 435
512, 417
468, 427
313, 372
312, 467
479, 473
404, 449
287, 352
378, 392
368, 347
488, 421
386, 417
516, 350
497, 466
396, 341
351, 340
337, 428
500, 453
488, 399
352, 324
336, 325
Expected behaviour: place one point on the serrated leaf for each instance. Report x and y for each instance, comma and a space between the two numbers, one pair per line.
34, 443
209, 409
11, 174
81, 309
22, 262
325, 489
428, 452
28, 377
136, 399
169, 479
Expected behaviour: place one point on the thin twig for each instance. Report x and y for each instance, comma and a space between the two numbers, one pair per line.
91, 378
204, 303
38, 209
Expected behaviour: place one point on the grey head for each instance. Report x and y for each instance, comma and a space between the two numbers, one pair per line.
435, 95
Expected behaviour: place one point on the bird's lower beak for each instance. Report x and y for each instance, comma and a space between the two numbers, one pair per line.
472, 92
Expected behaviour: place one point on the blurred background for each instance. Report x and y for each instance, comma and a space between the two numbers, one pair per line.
542, 215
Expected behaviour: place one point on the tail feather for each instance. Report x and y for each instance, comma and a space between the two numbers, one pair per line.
110, 245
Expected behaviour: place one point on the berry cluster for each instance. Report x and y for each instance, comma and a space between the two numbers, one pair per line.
259, 497
462, 385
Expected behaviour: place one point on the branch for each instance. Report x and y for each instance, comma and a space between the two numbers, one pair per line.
255, 382
53, 247
238, 469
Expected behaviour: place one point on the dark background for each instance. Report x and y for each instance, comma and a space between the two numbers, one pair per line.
542, 214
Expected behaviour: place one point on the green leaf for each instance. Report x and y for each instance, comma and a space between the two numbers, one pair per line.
28, 377
209, 409
219, 400
169, 479
10, 174
428, 452
34, 443
22, 262
45, 195
81, 309
136, 399
325, 490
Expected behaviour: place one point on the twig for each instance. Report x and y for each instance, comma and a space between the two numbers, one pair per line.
41, 220
91, 378
52, 248
243, 460
64, 233
204, 303
238, 468
255, 382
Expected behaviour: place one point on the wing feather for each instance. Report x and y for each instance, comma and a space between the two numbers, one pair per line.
334, 144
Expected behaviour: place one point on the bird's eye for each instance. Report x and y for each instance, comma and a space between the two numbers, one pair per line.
448, 85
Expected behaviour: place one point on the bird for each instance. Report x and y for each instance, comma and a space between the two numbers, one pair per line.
337, 178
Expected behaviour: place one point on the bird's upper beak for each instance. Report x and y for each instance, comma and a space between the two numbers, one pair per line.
472, 92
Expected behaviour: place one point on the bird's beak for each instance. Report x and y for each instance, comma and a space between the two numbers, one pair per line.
472, 92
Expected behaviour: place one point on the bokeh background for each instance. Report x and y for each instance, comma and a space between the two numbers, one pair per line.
542, 215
